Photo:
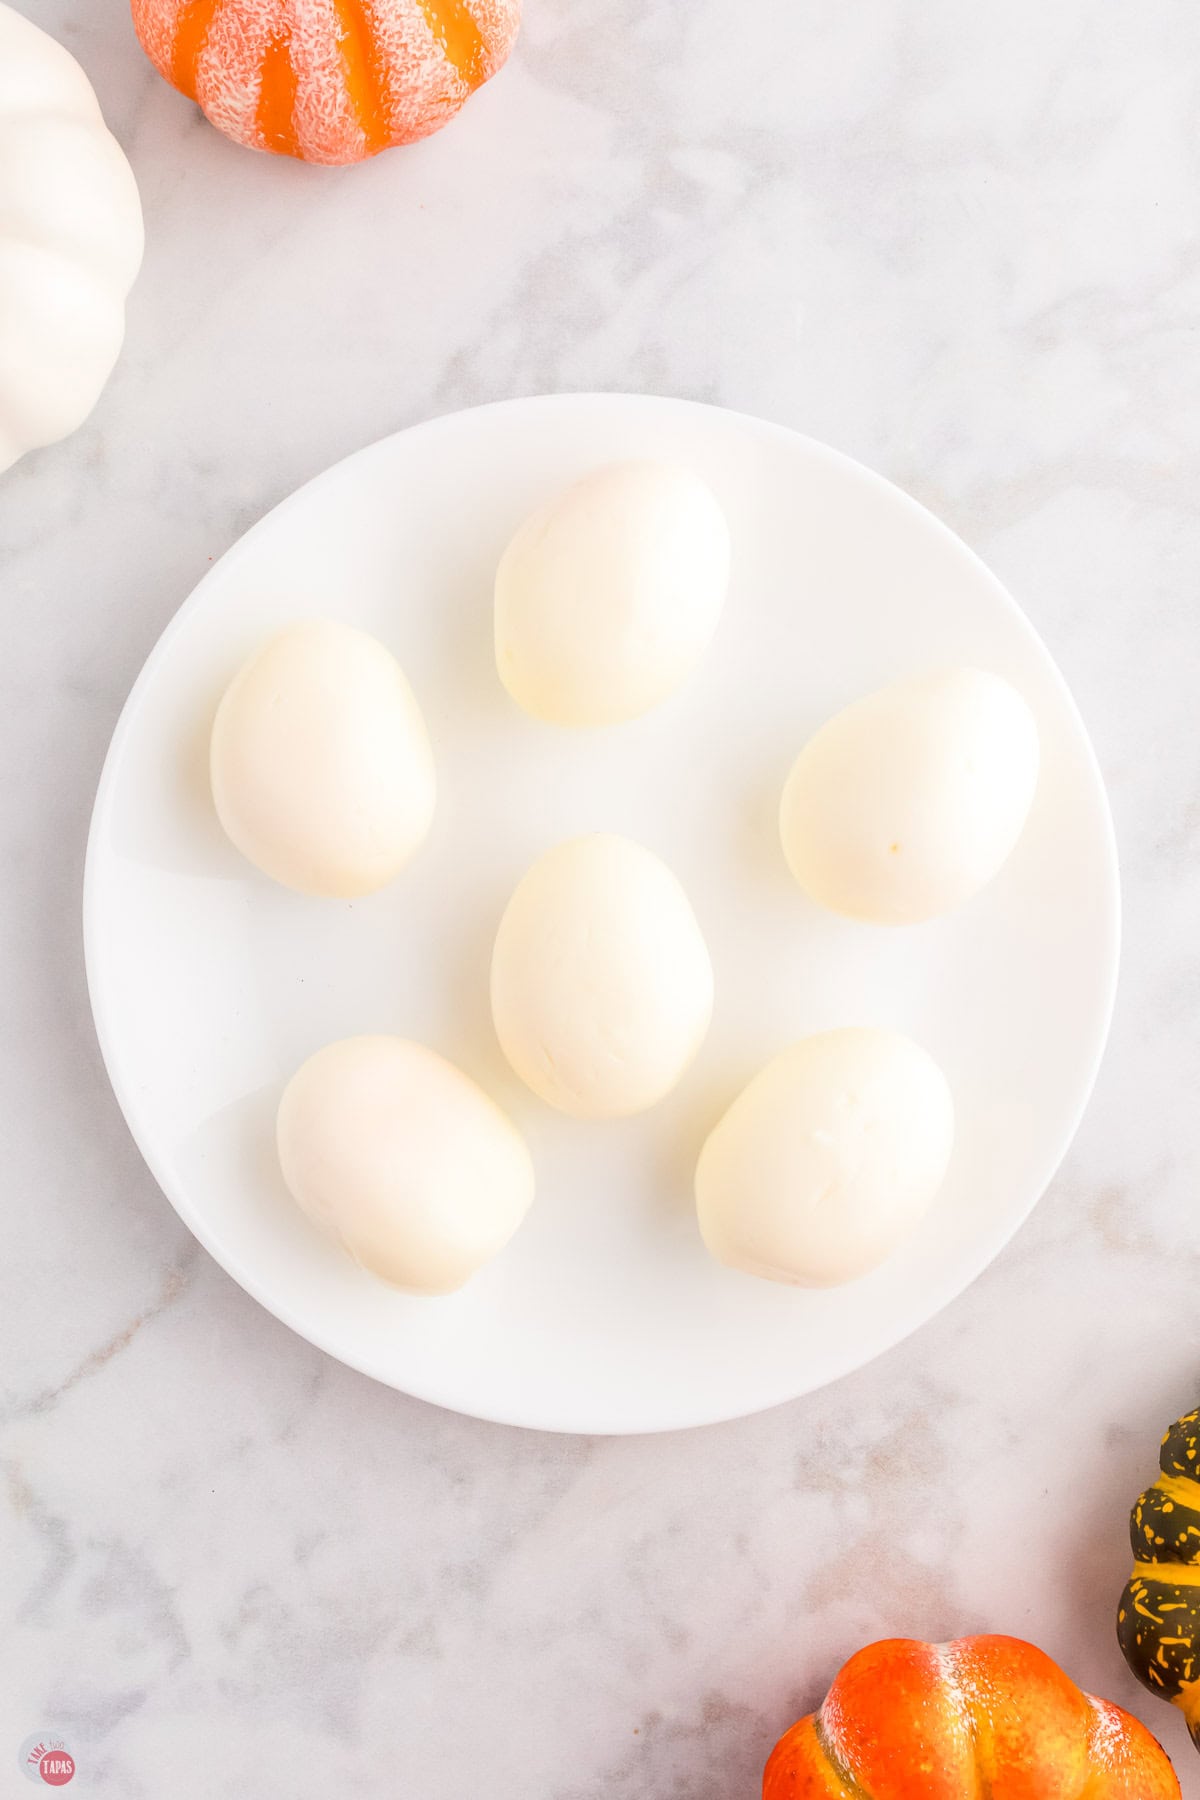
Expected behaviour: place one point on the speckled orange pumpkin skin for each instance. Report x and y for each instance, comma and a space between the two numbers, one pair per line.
1158, 1620
329, 81
984, 1716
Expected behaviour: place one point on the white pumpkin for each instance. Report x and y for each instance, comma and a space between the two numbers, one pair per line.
70, 241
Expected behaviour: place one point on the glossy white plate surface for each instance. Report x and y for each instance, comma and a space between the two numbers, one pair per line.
210, 985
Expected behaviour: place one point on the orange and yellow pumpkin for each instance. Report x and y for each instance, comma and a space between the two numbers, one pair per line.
986, 1715
330, 81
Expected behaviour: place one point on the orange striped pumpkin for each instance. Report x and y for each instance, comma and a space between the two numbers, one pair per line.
330, 81
984, 1716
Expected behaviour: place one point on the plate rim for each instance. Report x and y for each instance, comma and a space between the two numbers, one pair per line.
987, 1247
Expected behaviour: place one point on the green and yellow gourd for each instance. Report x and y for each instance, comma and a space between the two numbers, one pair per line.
1158, 1623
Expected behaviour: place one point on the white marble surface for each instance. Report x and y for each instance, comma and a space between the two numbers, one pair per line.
959, 242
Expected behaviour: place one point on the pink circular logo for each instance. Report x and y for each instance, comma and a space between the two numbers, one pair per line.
45, 1760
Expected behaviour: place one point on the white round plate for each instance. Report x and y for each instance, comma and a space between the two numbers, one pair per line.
210, 984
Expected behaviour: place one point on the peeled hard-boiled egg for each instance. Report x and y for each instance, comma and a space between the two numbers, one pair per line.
321, 768
910, 800
602, 988
398, 1156
608, 597
827, 1159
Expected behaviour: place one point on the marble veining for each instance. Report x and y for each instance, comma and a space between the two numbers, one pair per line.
961, 243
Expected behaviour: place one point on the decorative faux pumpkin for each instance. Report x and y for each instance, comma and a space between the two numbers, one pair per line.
1158, 1623
70, 241
330, 81
984, 1716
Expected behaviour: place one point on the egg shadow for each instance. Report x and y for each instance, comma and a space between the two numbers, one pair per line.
476, 1048
755, 837
695, 1108
462, 682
